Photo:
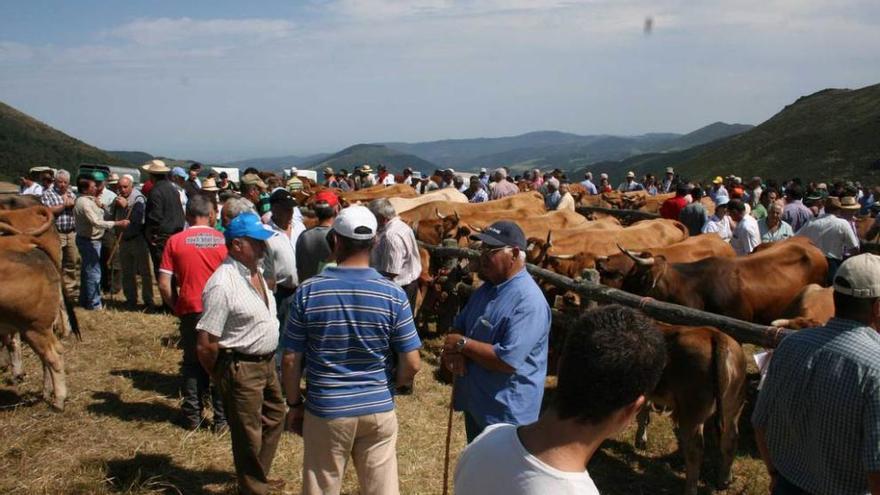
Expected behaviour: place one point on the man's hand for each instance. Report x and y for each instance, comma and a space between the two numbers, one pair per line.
69, 202
121, 202
451, 342
123, 224
293, 422
455, 362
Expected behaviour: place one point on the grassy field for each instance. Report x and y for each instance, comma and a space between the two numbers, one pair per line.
117, 436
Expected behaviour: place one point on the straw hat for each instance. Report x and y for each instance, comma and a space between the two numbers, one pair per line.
155, 167
366, 169
210, 185
114, 179
849, 203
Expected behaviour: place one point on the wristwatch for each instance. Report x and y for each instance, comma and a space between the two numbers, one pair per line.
459, 346
298, 403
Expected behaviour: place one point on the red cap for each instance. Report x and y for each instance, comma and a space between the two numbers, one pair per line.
328, 197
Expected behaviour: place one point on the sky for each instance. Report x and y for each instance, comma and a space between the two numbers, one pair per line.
220, 80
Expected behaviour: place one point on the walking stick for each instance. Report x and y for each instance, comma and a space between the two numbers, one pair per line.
113, 251
448, 439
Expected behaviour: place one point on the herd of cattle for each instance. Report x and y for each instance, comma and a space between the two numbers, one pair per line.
705, 379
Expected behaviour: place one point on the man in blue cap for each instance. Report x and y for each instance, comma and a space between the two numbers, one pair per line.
498, 346
238, 335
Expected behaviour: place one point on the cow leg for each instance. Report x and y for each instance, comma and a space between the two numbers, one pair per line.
692, 447
12, 345
729, 438
643, 419
49, 350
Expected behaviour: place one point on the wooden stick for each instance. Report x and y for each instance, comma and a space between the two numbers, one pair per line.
743, 331
114, 250
448, 437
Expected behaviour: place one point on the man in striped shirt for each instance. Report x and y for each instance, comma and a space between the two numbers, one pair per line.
396, 254
347, 325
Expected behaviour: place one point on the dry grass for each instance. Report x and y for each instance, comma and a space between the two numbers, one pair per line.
116, 435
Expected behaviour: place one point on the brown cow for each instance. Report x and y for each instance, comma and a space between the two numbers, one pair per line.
813, 307
613, 269
704, 378
531, 202
376, 192
759, 287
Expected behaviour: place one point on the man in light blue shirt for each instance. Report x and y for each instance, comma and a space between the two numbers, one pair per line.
499, 344
588, 184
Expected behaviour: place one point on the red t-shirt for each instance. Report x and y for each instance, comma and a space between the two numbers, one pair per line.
192, 256
672, 207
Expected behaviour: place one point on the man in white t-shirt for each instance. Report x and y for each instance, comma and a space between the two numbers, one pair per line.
612, 357
746, 236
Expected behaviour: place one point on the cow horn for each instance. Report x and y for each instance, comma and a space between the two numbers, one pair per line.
9, 229
439, 215
415, 229
639, 261
561, 256
601, 258
457, 218
549, 242
530, 246
476, 229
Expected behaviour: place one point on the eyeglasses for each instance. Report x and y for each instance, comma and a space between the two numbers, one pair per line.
488, 251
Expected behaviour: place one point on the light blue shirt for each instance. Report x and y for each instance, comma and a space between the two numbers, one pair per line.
514, 317
590, 187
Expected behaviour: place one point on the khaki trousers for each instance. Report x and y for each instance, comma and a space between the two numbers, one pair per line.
255, 413
134, 259
69, 255
371, 441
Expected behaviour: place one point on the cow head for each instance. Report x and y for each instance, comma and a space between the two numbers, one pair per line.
614, 269
646, 276
447, 224
536, 249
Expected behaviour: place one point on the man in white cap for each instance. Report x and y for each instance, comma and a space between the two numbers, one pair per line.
817, 418
347, 311
484, 178
604, 184
669, 183
630, 184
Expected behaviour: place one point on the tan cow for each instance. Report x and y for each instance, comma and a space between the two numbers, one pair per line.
704, 379
376, 192
402, 205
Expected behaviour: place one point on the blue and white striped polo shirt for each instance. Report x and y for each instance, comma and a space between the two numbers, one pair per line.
349, 322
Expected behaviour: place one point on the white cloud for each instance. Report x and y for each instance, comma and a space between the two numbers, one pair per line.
167, 31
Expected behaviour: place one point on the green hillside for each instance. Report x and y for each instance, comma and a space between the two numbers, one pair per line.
374, 155
834, 133
26, 142
136, 157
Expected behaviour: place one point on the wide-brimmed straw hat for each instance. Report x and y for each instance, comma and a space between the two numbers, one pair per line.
849, 203
210, 185
155, 167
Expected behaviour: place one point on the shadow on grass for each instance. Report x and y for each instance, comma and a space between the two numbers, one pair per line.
113, 405
166, 384
628, 471
10, 399
157, 473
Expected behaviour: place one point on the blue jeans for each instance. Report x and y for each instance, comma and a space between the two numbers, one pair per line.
90, 273
472, 427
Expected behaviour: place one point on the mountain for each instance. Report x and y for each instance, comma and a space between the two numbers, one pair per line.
277, 163
707, 134
135, 157
26, 142
374, 155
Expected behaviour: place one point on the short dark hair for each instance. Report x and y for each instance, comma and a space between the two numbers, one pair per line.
795, 192
612, 355
251, 170
736, 205
246, 188
349, 246
697, 193
224, 175
850, 307
324, 211
83, 183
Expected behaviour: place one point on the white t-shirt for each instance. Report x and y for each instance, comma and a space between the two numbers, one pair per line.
496, 463
746, 236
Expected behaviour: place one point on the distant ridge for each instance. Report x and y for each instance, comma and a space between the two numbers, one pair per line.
374, 155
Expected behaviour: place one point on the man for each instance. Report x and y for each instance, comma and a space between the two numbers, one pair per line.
385, 178
588, 184
132, 253
226, 184
795, 212
669, 183
694, 216
720, 223
60, 200
754, 192
672, 207
90, 226
178, 179
500, 187
484, 178
396, 252
476, 193
630, 183
164, 212
29, 186
294, 183
551, 196
746, 236
238, 336
604, 184
832, 235
279, 265
718, 193
566, 201
191, 257
817, 418
347, 325
329, 178
193, 185
312, 247
762, 208
613, 356
499, 343
772, 227
111, 277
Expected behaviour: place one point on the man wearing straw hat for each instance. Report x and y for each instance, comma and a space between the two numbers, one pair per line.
164, 213
833, 235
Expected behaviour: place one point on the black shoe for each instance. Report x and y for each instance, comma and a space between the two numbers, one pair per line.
188, 423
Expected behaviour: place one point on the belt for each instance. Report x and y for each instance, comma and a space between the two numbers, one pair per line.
240, 356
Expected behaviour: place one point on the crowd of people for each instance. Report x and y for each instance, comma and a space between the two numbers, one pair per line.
266, 305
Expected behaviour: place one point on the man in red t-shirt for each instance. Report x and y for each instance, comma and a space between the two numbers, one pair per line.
672, 207
191, 257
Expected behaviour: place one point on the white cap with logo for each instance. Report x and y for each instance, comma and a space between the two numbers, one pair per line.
859, 276
355, 222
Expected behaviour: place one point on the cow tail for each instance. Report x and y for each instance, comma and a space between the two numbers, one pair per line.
720, 378
71, 316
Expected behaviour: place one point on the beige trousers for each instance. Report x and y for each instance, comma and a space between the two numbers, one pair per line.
371, 442
69, 255
134, 259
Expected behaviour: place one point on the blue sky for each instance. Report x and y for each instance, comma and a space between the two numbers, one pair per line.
227, 80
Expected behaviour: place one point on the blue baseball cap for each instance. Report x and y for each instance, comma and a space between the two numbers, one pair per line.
247, 224
178, 172
502, 233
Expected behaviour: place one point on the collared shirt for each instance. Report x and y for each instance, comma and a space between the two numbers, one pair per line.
34, 189
349, 322
479, 196
796, 214
235, 312
783, 231
630, 186
746, 236
831, 234
280, 260
566, 202
89, 218
514, 318
694, 217
759, 212
503, 189
820, 407
719, 193
396, 252
590, 187
64, 221
551, 201
107, 198
720, 226
164, 210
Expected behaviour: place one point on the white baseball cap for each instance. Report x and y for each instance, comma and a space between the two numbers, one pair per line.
355, 222
603, 175
859, 276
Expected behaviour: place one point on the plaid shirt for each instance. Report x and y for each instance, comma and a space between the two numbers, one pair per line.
64, 220
820, 407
